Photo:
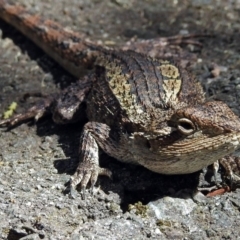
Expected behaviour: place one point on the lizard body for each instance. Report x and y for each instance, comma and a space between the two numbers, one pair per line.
140, 109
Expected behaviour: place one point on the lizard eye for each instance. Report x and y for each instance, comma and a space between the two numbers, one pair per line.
185, 126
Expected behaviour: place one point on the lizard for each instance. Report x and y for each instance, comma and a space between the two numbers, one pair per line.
140, 109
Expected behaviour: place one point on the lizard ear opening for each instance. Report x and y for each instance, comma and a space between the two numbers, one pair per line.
185, 126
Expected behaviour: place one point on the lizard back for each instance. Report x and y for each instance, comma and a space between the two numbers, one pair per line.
139, 91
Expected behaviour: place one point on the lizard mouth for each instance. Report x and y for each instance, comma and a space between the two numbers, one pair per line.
196, 142
192, 154
202, 142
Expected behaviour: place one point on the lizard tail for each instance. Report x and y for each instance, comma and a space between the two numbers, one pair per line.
69, 49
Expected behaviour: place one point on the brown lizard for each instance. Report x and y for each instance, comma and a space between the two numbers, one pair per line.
140, 109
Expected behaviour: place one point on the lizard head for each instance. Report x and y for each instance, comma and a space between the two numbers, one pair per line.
200, 135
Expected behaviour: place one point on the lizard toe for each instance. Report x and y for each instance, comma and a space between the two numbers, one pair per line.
88, 176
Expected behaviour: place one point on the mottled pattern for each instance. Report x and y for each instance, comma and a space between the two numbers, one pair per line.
141, 110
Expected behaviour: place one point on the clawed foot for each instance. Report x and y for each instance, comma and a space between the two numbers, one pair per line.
36, 112
155, 47
231, 164
181, 39
87, 174
178, 39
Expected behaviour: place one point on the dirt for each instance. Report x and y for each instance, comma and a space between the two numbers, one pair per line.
36, 160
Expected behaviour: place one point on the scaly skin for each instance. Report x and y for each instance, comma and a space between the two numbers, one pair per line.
141, 110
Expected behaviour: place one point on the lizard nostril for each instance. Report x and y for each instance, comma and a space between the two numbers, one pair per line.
185, 126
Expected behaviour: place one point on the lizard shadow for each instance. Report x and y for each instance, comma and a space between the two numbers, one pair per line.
138, 184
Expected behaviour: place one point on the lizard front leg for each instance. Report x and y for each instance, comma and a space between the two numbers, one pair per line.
94, 135
65, 107
40, 109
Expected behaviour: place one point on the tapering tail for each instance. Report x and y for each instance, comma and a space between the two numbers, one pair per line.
69, 49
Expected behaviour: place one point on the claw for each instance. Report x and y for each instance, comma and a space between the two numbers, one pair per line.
105, 172
85, 179
91, 189
72, 193
83, 193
